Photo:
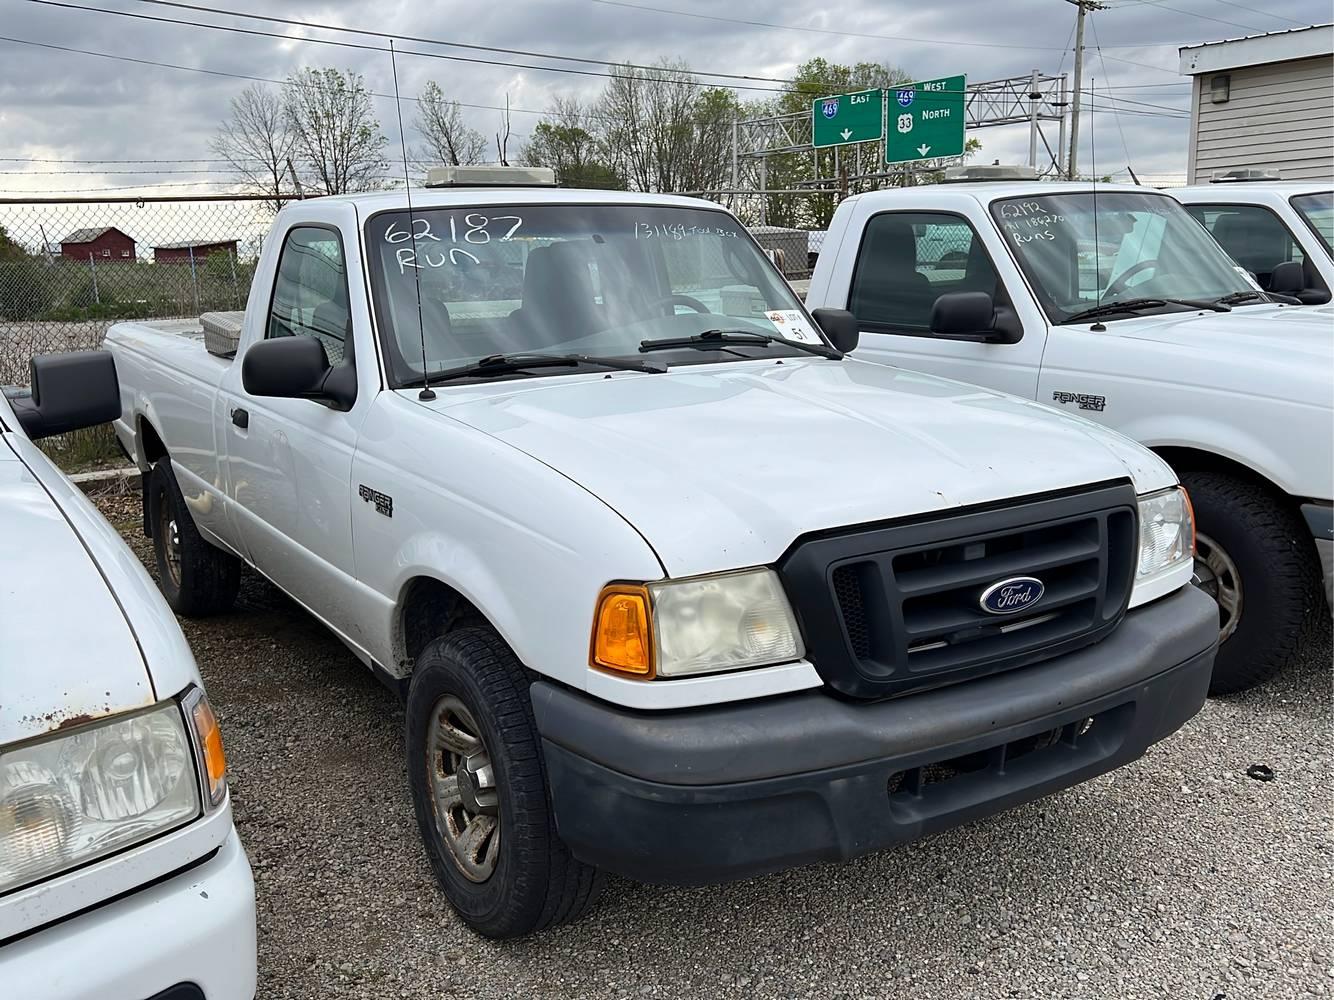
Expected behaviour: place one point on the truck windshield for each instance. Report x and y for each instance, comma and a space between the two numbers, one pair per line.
1136, 247
1318, 211
596, 280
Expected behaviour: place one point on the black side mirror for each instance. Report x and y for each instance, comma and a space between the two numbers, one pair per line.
1287, 278
69, 392
295, 368
964, 316
840, 326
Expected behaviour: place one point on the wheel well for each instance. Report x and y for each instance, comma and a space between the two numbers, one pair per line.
150, 442
1182, 459
428, 610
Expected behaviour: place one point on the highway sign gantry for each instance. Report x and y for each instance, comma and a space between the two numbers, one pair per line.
847, 118
926, 120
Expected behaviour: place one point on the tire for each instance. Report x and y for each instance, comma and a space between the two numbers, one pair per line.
196, 578
1265, 554
521, 878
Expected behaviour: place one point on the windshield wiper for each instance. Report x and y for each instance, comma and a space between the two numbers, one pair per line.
720, 340
1135, 305
499, 364
1234, 298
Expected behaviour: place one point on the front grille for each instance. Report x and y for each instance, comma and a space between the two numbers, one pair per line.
895, 608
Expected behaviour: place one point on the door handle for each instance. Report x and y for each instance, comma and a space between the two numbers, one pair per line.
240, 417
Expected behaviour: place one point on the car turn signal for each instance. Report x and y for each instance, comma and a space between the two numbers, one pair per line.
622, 636
209, 735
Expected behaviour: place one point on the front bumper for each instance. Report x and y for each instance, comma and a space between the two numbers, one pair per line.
710, 795
196, 928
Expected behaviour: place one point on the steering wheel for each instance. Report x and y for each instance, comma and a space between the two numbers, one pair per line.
682, 300
1123, 279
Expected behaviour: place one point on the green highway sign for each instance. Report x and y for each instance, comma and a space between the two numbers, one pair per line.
845, 118
926, 120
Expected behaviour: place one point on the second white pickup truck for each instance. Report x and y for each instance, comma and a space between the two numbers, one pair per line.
672, 587
1113, 303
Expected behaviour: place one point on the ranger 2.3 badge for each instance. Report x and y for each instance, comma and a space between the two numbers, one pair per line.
1085, 401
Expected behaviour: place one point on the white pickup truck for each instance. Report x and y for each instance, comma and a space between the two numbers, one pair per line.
1280, 231
672, 587
120, 871
1113, 303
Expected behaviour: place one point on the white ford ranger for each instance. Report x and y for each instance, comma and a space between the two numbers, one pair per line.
121, 876
672, 588
1116, 305
1280, 231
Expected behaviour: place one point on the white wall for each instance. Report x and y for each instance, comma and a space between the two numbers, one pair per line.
1280, 117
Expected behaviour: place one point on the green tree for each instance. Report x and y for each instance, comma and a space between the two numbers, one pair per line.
335, 131
10, 249
566, 142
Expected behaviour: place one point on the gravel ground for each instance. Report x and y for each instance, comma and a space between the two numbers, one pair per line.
1175, 877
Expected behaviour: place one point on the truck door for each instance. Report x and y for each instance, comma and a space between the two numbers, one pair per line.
906, 261
289, 461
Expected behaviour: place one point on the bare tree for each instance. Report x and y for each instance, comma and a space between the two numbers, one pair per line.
256, 142
335, 130
449, 139
503, 136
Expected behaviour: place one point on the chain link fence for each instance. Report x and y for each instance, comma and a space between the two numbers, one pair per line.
69, 269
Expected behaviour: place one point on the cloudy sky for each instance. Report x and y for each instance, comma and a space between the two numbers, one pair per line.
79, 113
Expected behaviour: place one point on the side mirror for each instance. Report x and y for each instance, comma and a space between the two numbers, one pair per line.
69, 392
964, 316
1287, 278
295, 368
841, 327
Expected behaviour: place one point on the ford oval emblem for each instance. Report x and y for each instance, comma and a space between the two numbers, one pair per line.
1008, 597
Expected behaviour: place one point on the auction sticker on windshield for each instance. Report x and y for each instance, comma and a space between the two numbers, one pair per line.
792, 325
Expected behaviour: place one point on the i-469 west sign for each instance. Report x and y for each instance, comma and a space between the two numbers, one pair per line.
926, 120
846, 118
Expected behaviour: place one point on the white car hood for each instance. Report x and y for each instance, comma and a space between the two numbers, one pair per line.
1299, 338
722, 466
67, 654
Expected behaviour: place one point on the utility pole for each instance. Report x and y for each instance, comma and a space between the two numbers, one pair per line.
1084, 7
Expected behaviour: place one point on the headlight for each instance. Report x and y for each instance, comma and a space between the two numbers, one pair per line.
703, 625
69, 799
1166, 543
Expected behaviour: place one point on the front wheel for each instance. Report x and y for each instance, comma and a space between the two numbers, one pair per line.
1252, 556
479, 790
196, 578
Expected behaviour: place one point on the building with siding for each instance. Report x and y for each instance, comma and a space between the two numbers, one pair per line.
105, 245
188, 250
1262, 102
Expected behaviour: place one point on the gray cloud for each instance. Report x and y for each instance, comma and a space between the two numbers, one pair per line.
67, 106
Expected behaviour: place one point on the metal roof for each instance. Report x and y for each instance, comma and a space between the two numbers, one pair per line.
1257, 50
88, 235
195, 244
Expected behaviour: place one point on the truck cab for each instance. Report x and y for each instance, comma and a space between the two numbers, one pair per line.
1279, 231
671, 585
1112, 303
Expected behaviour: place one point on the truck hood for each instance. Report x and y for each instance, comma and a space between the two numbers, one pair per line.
67, 654
1296, 336
721, 466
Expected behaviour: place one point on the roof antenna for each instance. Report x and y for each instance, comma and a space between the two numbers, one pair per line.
426, 393
1093, 161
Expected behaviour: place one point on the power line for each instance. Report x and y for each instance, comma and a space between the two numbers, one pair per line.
953, 43
440, 41
232, 29
1203, 17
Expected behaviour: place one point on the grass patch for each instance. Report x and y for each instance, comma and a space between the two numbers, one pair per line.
87, 450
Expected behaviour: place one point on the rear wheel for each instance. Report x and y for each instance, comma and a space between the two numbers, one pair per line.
196, 578
479, 790
1253, 556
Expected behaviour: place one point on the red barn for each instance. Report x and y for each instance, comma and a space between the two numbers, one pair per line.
175, 253
104, 245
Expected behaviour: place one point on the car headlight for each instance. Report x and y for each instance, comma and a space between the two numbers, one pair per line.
1166, 543
707, 624
67, 799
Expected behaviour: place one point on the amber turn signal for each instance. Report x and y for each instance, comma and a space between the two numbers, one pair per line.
622, 635
210, 742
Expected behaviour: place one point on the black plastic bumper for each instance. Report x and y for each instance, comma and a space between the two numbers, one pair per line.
715, 794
